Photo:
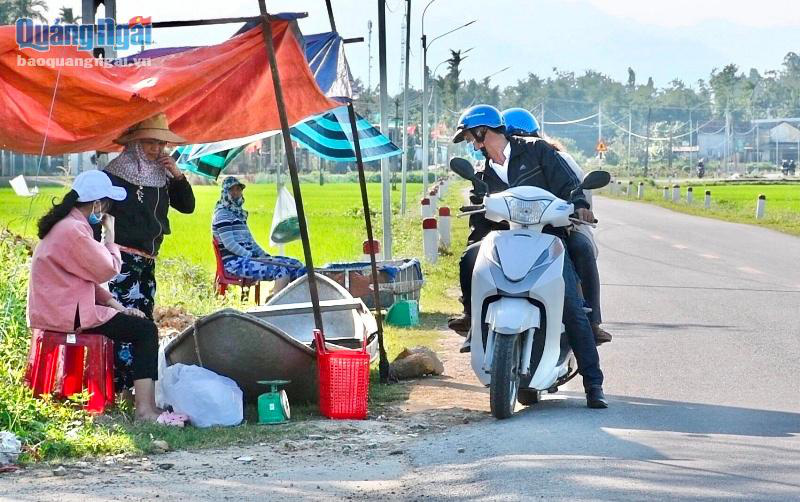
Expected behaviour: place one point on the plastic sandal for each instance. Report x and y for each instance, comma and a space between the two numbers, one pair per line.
172, 419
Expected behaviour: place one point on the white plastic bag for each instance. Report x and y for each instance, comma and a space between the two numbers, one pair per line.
284, 219
162, 368
10, 448
207, 398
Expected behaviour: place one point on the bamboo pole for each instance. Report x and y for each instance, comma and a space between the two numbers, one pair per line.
383, 364
287, 140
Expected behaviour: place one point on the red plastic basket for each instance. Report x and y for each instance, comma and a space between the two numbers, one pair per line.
343, 380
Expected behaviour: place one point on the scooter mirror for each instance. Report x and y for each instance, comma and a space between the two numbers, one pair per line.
595, 180
462, 167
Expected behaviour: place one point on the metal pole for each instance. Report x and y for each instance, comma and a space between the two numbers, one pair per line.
599, 123
424, 116
425, 102
287, 141
383, 365
726, 150
647, 144
758, 149
330, 15
435, 94
385, 181
630, 134
691, 153
541, 126
404, 161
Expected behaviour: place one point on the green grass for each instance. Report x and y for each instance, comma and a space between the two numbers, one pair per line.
737, 203
53, 430
334, 213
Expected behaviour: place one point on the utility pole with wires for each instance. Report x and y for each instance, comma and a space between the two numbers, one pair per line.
404, 132
385, 171
541, 126
369, 65
630, 135
600, 150
647, 143
727, 147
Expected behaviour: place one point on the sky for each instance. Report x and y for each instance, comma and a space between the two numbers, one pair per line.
665, 40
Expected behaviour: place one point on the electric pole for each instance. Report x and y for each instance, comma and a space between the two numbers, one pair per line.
404, 132
647, 144
385, 182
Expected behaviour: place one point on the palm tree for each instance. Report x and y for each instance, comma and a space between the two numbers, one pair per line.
11, 10
65, 13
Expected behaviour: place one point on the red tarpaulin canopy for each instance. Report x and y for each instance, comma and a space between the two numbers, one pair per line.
209, 93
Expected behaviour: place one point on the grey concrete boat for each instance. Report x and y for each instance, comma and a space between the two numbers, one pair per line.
274, 341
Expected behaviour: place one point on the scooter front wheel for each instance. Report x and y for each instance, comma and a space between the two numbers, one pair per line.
505, 375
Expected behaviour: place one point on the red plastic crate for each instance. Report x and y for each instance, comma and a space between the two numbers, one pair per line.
343, 381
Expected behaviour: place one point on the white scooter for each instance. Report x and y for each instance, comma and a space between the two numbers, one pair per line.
518, 344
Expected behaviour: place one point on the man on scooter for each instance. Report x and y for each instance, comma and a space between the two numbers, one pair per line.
533, 162
580, 242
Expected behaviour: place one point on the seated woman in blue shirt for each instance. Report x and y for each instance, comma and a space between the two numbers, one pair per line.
241, 255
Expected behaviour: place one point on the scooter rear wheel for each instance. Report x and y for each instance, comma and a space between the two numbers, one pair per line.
505, 375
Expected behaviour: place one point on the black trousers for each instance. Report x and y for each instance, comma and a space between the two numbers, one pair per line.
142, 334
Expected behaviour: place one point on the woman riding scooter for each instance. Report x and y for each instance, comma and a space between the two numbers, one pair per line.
580, 242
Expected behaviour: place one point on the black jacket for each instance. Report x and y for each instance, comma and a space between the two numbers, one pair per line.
141, 221
532, 162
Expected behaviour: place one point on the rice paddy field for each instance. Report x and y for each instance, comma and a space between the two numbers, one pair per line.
334, 213
736, 202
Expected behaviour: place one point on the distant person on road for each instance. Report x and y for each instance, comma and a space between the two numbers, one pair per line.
580, 241
785, 167
241, 254
792, 167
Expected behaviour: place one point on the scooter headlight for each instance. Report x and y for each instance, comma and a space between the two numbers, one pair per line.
526, 212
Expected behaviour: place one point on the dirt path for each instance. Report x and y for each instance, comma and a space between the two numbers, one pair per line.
352, 460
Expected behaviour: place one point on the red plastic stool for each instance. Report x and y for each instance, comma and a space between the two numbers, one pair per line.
56, 366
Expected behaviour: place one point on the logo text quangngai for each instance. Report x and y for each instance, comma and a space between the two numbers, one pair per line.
86, 37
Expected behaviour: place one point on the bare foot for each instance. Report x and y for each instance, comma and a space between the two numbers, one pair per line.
148, 415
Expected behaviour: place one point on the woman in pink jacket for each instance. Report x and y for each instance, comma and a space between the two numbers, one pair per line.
68, 268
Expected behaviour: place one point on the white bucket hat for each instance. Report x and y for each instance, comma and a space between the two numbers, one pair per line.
95, 185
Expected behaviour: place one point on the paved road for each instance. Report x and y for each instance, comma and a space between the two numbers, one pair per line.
702, 375
702, 378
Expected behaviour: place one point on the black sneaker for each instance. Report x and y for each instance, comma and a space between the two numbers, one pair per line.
460, 324
466, 347
601, 336
595, 398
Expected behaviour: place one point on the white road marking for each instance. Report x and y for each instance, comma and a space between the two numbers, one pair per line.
657, 237
749, 270
709, 256
680, 246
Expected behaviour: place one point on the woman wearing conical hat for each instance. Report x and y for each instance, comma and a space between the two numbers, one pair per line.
153, 183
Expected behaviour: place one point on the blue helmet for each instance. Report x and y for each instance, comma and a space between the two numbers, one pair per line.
520, 122
477, 116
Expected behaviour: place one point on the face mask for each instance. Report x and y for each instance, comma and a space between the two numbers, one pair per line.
94, 219
476, 154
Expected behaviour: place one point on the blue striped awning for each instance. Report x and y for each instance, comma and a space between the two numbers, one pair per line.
330, 136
